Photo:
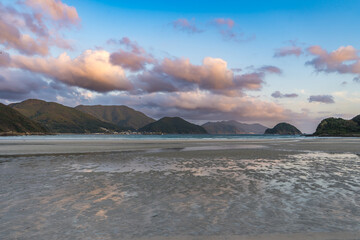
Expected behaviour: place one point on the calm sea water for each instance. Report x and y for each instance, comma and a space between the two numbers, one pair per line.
157, 137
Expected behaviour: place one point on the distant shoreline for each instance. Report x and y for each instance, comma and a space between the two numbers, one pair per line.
12, 134
332, 135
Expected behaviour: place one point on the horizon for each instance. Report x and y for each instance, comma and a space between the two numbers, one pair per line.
260, 62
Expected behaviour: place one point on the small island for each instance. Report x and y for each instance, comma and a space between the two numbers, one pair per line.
283, 129
339, 127
173, 125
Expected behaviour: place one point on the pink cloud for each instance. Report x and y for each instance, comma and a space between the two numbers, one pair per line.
244, 107
23, 20
212, 74
131, 61
135, 59
225, 21
226, 29
132, 46
340, 55
255, 80
91, 70
250, 81
57, 40
57, 10
180, 75
342, 60
10, 36
27, 32
4, 59
185, 25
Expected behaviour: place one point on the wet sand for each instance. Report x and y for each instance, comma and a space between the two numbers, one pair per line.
57, 146
180, 189
296, 236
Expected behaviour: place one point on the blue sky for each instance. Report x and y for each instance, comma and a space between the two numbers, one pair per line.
242, 35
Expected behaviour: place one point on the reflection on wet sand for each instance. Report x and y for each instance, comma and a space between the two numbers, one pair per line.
167, 194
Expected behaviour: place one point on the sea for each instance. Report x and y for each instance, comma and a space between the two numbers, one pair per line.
156, 137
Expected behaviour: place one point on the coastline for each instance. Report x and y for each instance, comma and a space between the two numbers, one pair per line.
12, 134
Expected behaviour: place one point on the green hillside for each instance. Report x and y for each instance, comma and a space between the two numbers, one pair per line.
283, 129
12, 122
122, 116
339, 127
61, 119
173, 125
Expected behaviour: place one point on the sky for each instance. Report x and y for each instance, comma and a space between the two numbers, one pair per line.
251, 61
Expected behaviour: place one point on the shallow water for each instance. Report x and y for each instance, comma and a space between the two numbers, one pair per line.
151, 137
118, 195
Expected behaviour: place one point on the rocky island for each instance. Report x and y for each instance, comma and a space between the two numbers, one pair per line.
173, 125
283, 129
339, 127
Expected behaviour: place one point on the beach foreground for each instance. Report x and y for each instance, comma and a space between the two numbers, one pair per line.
301, 188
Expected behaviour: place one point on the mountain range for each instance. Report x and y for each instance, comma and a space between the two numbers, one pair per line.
50, 117
61, 119
35, 116
233, 127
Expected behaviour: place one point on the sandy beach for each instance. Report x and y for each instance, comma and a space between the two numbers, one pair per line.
175, 189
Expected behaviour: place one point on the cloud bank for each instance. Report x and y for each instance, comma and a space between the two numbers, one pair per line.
57, 10
28, 32
91, 70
